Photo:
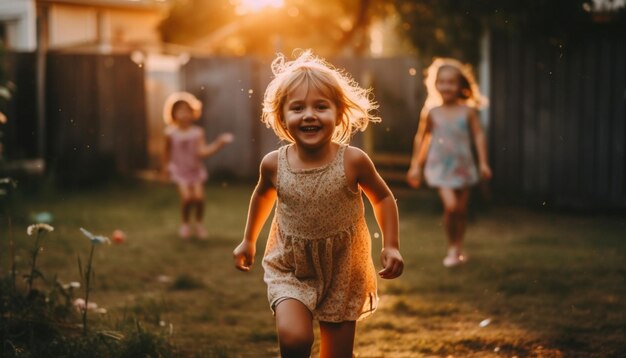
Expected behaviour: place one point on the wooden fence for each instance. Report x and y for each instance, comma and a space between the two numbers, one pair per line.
95, 116
232, 90
19, 133
558, 131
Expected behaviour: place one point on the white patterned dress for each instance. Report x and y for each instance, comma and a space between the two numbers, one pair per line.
450, 163
319, 246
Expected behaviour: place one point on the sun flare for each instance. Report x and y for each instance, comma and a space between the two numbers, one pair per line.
248, 6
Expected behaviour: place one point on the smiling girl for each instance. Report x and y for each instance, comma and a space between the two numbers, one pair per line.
317, 261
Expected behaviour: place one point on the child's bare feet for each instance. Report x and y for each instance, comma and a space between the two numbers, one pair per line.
184, 231
454, 258
201, 232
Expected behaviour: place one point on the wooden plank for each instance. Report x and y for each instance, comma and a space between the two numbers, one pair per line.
618, 129
544, 116
561, 154
225, 87
588, 130
514, 139
574, 124
603, 120
499, 144
528, 118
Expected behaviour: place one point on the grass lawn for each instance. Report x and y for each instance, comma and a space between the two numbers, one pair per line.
542, 283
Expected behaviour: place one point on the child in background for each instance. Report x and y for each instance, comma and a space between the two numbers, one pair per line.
185, 148
448, 125
317, 261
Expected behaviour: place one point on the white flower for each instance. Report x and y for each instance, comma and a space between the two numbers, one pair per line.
5, 93
72, 284
79, 303
37, 228
95, 239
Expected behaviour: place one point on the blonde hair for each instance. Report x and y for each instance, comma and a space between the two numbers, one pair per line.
469, 92
181, 97
354, 104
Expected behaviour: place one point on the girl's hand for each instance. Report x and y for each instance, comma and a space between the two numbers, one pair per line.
226, 138
414, 176
244, 255
485, 172
392, 262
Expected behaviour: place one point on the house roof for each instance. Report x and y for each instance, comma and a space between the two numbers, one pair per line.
124, 4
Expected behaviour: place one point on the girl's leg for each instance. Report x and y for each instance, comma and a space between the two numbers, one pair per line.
449, 201
294, 324
462, 199
454, 220
197, 193
337, 339
186, 204
198, 197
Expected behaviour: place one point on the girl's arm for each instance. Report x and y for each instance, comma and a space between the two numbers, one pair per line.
421, 143
210, 149
361, 171
481, 144
261, 204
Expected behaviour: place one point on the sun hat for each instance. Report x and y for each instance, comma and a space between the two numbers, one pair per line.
191, 100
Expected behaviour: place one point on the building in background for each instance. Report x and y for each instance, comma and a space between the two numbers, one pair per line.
102, 25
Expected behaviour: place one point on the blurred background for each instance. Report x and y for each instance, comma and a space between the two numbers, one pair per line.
83, 83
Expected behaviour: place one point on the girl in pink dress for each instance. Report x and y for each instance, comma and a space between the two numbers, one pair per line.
185, 149
448, 125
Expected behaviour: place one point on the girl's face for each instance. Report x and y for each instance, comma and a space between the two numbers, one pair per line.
182, 114
310, 116
448, 84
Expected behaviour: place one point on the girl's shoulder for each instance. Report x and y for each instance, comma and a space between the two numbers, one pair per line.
170, 129
269, 163
355, 156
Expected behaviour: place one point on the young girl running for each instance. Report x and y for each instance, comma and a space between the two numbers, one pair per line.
185, 147
448, 124
317, 261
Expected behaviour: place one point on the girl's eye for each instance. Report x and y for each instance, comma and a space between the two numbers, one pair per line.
322, 106
296, 108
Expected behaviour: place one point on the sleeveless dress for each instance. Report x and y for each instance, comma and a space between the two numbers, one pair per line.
450, 163
185, 166
319, 246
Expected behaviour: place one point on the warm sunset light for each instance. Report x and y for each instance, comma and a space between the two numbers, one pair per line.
247, 6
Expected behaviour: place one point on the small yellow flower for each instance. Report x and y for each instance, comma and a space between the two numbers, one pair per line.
37, 228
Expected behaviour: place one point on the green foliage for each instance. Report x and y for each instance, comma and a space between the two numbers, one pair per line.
434, 27
326, 25
42, 320
454, 28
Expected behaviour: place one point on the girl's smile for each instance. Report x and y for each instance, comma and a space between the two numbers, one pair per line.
310, 116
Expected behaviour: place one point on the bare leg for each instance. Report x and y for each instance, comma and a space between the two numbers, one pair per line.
337, 339
294, 324
186, 202
462, 196
197, 193
449, 200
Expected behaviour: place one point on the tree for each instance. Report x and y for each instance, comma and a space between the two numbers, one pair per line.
434, 27
328, 26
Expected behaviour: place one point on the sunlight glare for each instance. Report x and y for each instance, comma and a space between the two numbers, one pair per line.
248, 6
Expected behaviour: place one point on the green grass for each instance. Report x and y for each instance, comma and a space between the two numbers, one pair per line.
551, 284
